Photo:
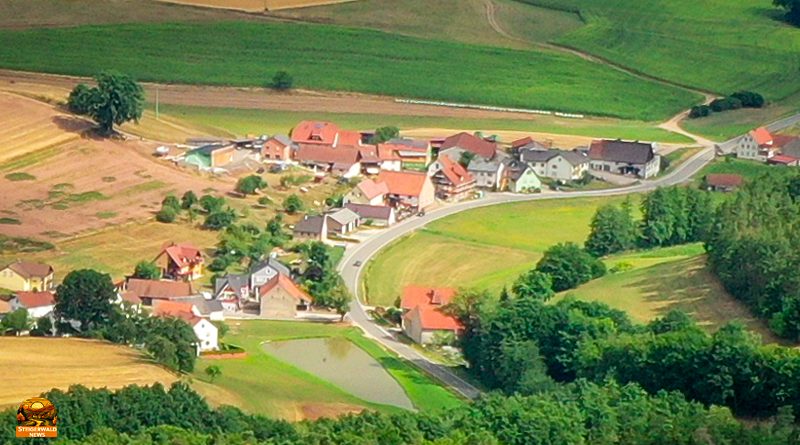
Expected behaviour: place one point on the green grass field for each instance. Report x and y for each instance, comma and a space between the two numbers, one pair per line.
262, 384
716, 45
347, 59
665, 279
727, 125
248, 121
749, 170
484, 248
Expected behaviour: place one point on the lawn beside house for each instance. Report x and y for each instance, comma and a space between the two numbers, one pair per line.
262, 384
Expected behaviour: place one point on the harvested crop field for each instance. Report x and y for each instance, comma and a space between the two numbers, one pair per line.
80, 183
41, 364
257, 5
28, 126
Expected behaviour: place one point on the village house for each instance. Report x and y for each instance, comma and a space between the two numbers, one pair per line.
451, 180
560, 165
314, 228
381, 216
281, 298
521, 177
203, 307
527, 143
368, 192
180, 262
723, 182
756, 145
278, 148
141, 291
206, 333
423, 317
231, 290
408, 190
38, 304
413, 153
210, 156
377, 158
263, 271
454, 146
625, 158
342, 222
26, 276
322, 145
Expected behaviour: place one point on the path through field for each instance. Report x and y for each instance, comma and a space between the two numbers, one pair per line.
491, 17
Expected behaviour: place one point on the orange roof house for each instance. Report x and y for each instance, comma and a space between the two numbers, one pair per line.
280, 297
30, 300
180, 262
317, 133
762, 136
145, 291
408, 189
451, 180
424, 315
454, 145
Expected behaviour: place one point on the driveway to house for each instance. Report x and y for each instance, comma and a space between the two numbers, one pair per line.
369, 247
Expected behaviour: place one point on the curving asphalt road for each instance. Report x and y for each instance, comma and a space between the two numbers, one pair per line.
368, 248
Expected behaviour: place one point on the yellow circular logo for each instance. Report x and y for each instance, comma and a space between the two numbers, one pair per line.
37, 411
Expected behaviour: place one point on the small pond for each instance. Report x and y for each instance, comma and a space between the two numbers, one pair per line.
344, 364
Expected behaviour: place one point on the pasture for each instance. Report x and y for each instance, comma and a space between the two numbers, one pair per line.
40, 364
484, 248
253, 121
343, 59
262, 384
664, 279
715, 45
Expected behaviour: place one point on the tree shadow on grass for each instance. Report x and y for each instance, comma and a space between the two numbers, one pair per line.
72, 124
689, 285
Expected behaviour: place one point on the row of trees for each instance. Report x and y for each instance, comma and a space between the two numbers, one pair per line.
322, 280
740, 99
246, 241
754, 250
670, 216
577, 414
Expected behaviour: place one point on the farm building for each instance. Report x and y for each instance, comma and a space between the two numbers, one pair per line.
457, 144
409, 190
368, 192
412, 152
376, 215
146, 291
625, 158
377, 158
210, 156
423, 318
312, 228
278, 148
26, 276
723, 182
342, 222
280, 297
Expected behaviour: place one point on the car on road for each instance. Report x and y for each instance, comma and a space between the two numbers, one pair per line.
357, 264
421, 213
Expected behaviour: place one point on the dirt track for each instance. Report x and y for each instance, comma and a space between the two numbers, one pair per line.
255, 98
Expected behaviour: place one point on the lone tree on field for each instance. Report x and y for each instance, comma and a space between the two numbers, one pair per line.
213, 371
85, 296
115, 100
250, 185
293, 204
282, 81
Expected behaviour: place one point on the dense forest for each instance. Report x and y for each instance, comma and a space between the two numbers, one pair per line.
754, 249
574, 414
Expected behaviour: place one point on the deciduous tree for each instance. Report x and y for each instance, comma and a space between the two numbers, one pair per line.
85, 296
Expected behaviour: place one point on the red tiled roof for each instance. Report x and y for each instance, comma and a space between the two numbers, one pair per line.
286, 283
159, 288
761, 136
389, 153
403, 183
184, 254
724, 180
403, 148
426, 304
372, 189
455, 172
369, 154
782, 159
176, 309
471, 143
520, 142
130, 297
35, 299
28, 269
349, 138
313, 132
324, 154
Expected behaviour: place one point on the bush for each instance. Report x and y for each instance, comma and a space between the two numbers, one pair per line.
220, 263
569, 266
249, 185
171, 201
211, 203
293, 204
699, 111
166, 215
220, 219
282, 81
188, 200
749, 99
265, 200
147, 270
